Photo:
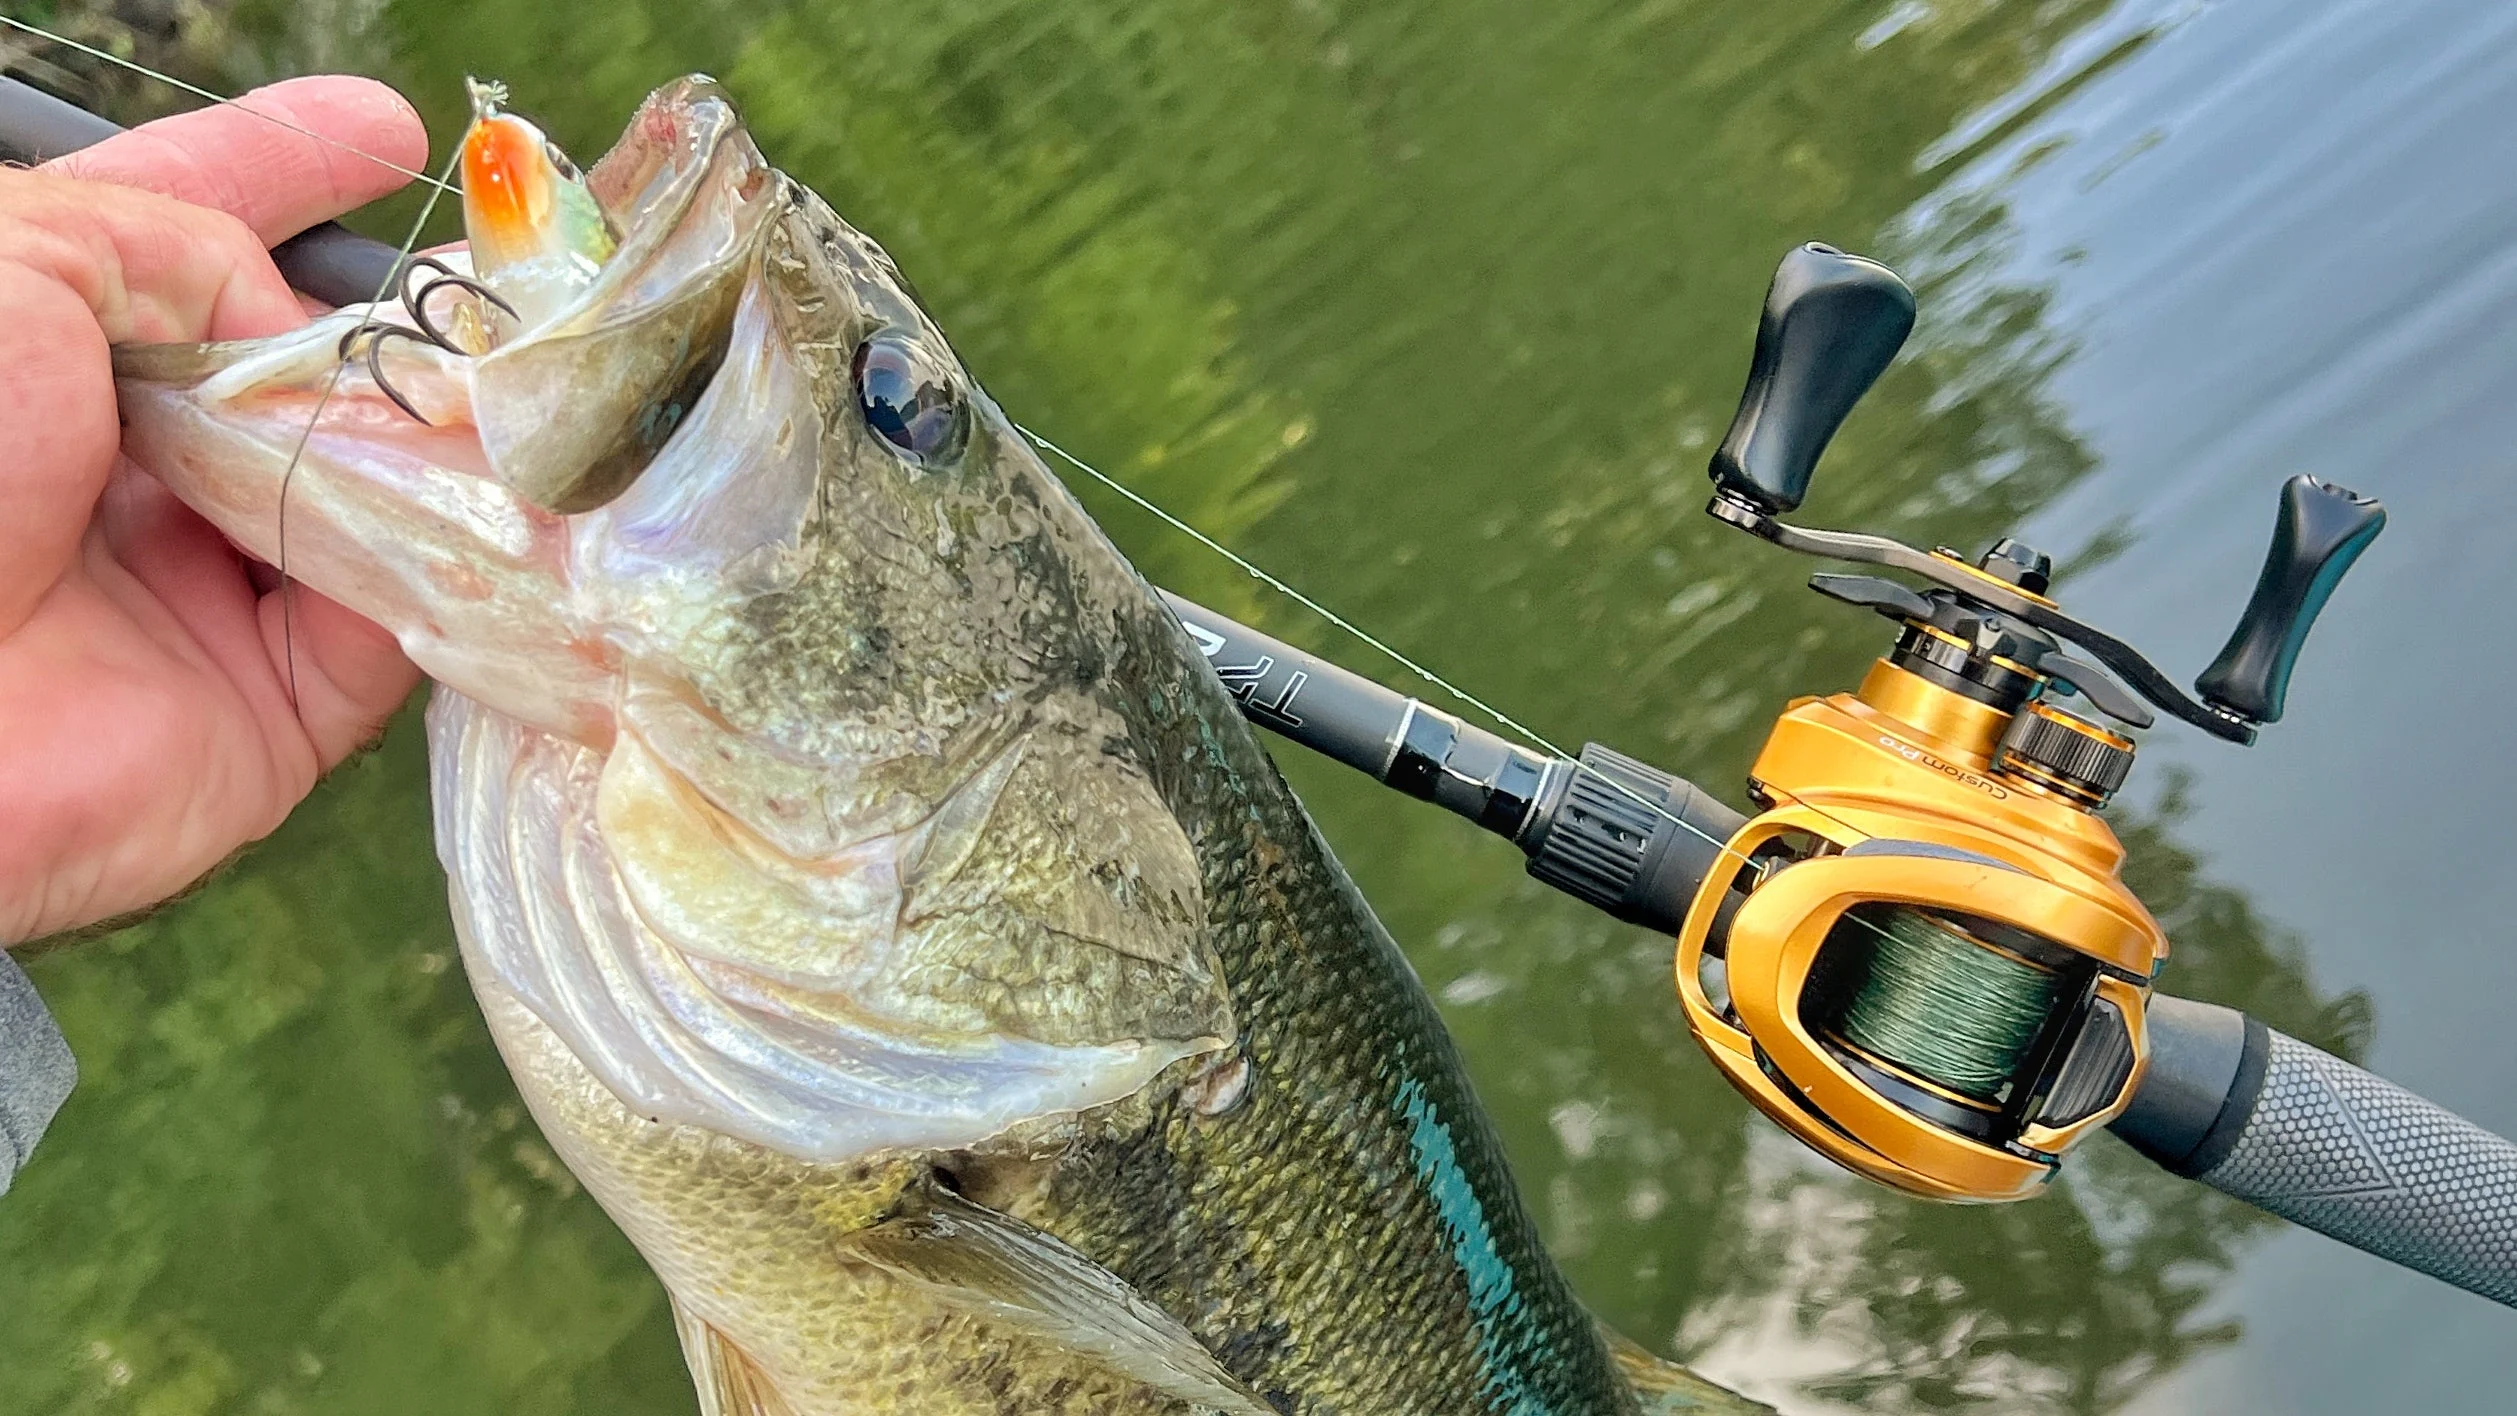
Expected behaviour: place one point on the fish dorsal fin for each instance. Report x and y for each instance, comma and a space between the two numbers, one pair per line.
729, 1383
999, 1268
1663, 1388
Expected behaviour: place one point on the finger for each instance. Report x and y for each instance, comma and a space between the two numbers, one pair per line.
83, 264
349, 673
149, 268
234, 157
56, 403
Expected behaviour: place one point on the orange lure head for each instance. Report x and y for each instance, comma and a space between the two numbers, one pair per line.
538, 236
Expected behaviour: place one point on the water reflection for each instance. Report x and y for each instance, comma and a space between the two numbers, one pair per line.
1435, 310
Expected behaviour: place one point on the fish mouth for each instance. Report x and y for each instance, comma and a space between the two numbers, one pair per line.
453, 528
569, 412
572, 411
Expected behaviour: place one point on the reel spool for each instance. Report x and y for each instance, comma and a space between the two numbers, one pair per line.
1919, 956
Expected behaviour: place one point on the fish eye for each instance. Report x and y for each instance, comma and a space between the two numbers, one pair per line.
909, 400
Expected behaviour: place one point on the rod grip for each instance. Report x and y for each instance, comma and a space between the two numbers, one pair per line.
2307, 1136
328, 261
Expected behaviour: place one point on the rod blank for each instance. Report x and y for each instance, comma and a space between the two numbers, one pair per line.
329, 262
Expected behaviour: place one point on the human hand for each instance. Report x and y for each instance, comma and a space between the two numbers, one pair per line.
146, 726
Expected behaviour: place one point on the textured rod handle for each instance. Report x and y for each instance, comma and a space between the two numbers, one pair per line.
2321, 530
328, 261
1832, 322
2356, 1157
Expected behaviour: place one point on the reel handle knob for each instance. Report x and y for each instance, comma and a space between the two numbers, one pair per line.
1832, 322
2321, 530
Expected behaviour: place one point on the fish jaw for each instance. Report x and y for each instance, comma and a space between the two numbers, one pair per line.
571, 413
453, 532
304, 463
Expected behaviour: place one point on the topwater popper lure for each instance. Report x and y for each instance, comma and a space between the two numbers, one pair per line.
536, 235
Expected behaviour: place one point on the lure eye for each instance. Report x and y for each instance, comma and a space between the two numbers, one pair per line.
910, 401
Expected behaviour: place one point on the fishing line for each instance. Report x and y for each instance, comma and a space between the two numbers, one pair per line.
1933, 999
1256, 572
199, 92
393, 278
1314, 606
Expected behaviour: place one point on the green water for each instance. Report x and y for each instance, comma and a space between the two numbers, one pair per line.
1435, 310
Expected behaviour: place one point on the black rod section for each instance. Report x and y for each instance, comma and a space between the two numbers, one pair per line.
329, 262
1615, 833
36, 127
1399, 741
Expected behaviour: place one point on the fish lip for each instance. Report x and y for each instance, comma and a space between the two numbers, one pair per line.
654, 175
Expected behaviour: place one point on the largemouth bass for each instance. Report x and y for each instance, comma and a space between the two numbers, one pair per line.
881, 907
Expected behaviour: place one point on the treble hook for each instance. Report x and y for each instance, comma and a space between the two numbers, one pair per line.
445, 277
376, 332
426, 330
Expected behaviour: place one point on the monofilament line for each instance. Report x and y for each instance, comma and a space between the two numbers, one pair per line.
199, 92
394, 277
1501, 718
1314, 606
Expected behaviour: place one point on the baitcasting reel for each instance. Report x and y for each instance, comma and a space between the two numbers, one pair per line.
1918, 956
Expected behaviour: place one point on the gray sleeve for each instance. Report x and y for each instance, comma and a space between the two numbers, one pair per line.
36, 1071
2306, 1135
2357, 1157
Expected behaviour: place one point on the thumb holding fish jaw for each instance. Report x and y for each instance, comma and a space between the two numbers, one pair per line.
147, 722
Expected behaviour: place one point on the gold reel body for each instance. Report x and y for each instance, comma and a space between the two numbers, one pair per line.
1891, 800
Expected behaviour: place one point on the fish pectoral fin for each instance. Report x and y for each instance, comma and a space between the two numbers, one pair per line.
999, 1268
1663, 1388
729, 1383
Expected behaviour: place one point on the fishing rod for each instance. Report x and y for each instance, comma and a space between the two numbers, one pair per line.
1915, 952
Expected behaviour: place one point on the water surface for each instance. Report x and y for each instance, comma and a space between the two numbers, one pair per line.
1436, 311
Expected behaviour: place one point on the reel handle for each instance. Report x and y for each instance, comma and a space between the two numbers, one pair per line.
2321, 530
1832, 322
